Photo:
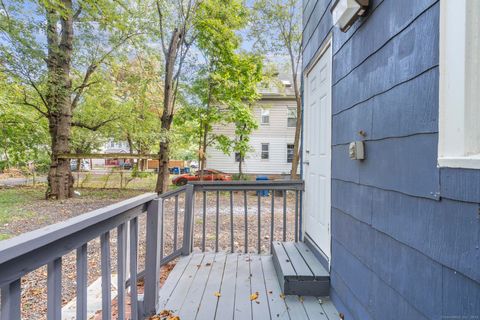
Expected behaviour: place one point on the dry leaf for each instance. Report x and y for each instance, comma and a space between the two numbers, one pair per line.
254, 296
217, 294
166, 313
282, 296
208, 264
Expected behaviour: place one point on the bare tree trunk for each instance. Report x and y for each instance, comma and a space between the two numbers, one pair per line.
168, 109
240, 169
60, 46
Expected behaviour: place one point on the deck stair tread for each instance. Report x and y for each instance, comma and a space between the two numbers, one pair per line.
298, 270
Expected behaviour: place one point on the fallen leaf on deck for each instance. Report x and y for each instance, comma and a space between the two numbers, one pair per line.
282, 296
217, 294
254, 296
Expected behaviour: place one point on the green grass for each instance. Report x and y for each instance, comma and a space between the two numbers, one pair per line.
11, 199
147, 181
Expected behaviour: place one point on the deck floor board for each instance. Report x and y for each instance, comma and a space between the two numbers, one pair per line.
208, 305
226, 301
191, 304
260, 309
243, 305
190, 289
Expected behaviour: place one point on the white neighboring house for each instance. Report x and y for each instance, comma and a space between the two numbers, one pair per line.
271, 143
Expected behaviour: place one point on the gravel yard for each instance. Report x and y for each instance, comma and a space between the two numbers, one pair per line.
35, 212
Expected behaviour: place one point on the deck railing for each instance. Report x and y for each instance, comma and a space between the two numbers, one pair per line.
174, 223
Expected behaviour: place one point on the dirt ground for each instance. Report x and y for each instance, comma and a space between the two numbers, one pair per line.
43, 213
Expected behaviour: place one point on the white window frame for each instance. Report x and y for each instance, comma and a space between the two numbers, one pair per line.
293, 151
264, 113
459, 90
267, 151
235, 157
288, 116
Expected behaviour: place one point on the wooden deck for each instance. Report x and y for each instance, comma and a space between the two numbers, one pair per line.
220, 286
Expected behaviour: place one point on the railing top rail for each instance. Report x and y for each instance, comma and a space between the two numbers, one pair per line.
30, 241
248, 185
172, 193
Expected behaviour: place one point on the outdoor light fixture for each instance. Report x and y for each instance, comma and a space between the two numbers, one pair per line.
346, 12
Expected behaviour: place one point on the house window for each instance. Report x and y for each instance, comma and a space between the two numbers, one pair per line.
265, 152
292, 117
459, 96
238, 157
290, 148
265, 116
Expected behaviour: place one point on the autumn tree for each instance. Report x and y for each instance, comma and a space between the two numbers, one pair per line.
138, 87
53, 48
277, 27
174, 23
227, 82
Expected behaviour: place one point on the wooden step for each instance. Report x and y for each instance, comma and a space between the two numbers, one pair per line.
298, 270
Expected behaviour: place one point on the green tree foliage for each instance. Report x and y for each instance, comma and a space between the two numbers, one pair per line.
139, 90
227, 81
23, 134
173, 25
53, 48
277, 27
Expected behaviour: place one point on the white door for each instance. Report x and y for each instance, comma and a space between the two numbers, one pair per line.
317, 151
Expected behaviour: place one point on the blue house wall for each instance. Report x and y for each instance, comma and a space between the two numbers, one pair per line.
405, 234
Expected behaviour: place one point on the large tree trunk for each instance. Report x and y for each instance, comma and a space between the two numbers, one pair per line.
164, 152
298, 130
60, 46
168, 109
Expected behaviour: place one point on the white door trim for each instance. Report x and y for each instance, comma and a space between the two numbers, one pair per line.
317, 57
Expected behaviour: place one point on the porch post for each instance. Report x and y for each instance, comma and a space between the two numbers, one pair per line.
152, 258
188, 220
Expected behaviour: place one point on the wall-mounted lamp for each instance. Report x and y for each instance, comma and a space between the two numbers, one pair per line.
346, 12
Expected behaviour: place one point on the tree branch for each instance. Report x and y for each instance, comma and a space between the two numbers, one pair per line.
77, 13
93, 66
25, 102
37, 90
93, 127
162, 34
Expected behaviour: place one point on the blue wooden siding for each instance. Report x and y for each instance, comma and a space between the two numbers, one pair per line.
405, 234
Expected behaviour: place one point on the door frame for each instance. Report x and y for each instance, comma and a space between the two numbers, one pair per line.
327, 43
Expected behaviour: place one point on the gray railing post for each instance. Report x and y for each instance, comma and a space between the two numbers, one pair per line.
152, 257
10, 301
188, 220
54, 289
